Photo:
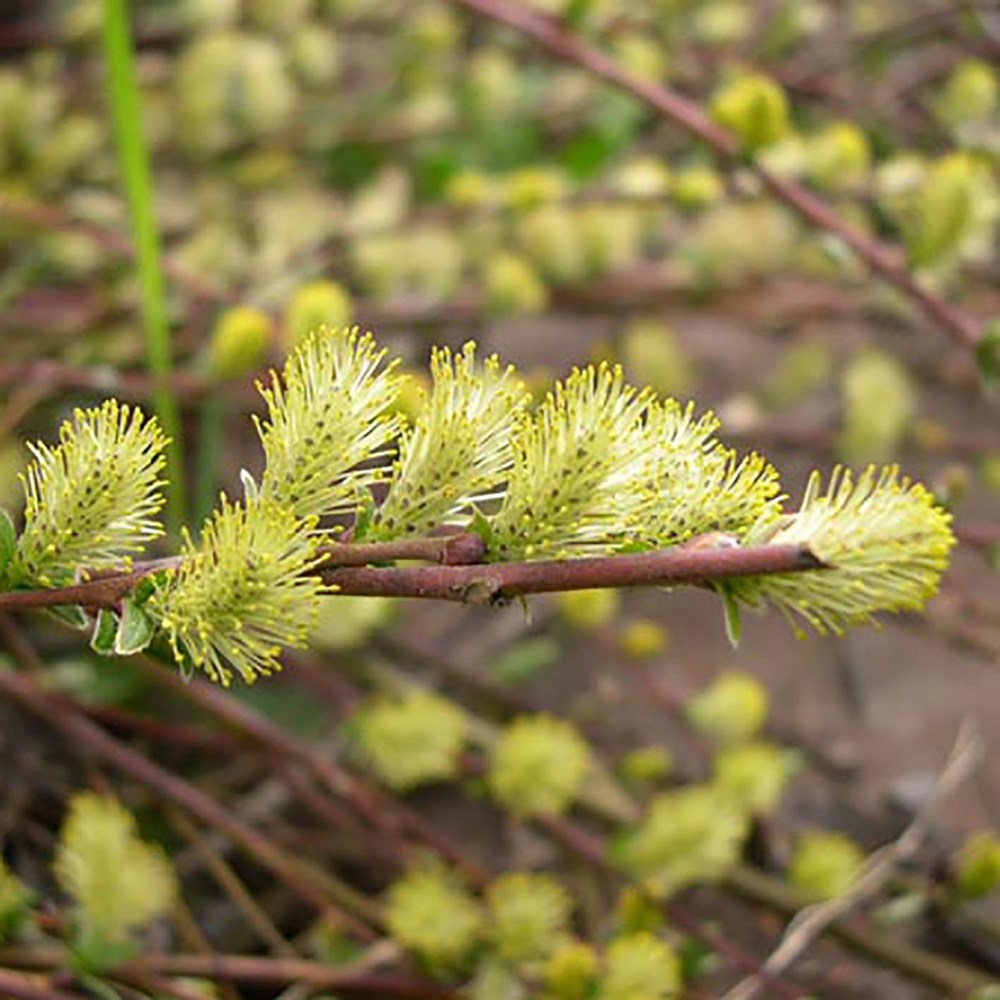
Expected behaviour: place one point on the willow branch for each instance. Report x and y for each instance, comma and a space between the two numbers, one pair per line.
463, 577
499, 582
671, 106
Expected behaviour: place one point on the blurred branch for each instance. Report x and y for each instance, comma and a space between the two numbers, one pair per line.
318, 889
110, 240
672, 106
247, 969
16, 987
498, 583
811, 923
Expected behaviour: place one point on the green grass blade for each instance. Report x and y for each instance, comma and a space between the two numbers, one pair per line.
133, 163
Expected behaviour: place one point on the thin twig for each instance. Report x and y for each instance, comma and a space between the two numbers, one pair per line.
811, 923
231, 884
548, 33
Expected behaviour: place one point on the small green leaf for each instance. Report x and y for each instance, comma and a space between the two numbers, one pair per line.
481, 526
575, 13
135, 631
993, 556
92, 953
525, 659
697, 959
288, 707
8, 541
634, 547
105, 628
988, 354
144, 590
363, 518
72, 615
731, 611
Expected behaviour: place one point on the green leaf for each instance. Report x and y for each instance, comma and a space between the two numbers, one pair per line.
523, 660
612, 128
731, 611
433, 169
697, 959
350, 164
517, 144
72, 615
144, 590
135, 632
93, 952
105, 628
988, 354
8, 541
481, 526
363, 518
993, 556
97, 680
290, 708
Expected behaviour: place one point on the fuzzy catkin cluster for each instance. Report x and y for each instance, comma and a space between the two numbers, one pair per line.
91, 500
522, 932
597, 467
118, 882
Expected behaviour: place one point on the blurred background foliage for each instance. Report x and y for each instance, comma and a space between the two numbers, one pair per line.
574, 772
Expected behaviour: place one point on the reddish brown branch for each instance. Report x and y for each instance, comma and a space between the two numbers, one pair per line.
499, 582
107, 590
548, 33
463, 578
456, 549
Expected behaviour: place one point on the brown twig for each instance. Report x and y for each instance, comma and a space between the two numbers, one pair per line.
107, 589
231, 884
472, 582
548, 33
498, 583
